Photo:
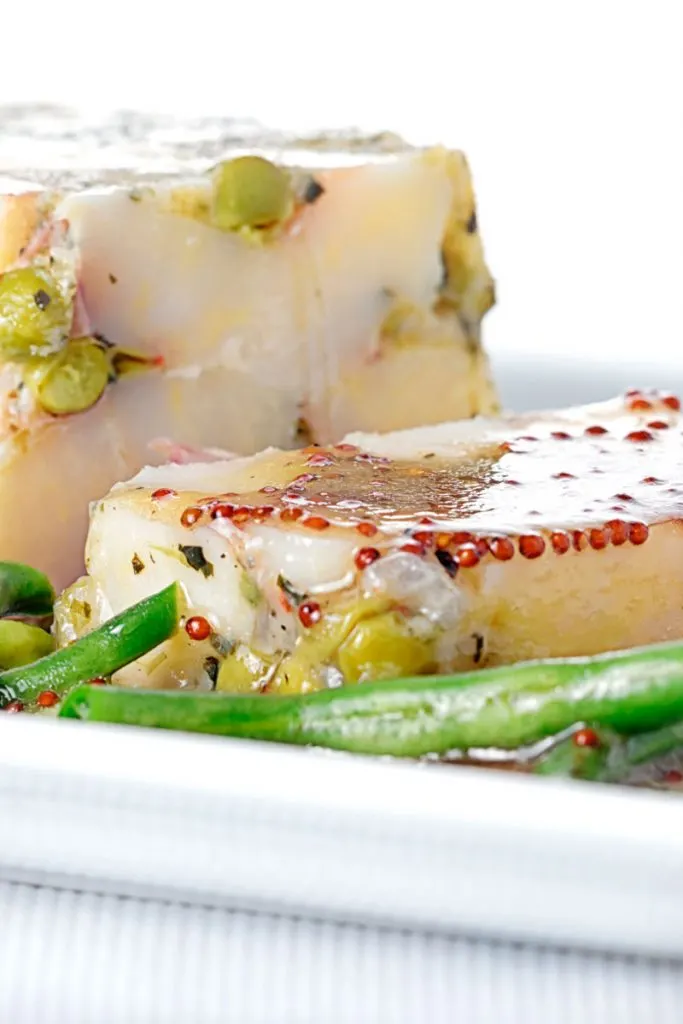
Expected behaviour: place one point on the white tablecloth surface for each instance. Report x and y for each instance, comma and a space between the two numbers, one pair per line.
81, 958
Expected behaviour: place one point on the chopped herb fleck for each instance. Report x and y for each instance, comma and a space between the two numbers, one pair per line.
448, 562
42, 299
82, 608
313, 191
194, 556
211, 669
137, 563
288, 590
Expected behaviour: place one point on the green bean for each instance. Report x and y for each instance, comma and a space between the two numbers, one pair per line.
507, 708
121, 640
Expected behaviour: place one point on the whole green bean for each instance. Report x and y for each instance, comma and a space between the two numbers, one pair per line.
118, 642
507, 707
24, 591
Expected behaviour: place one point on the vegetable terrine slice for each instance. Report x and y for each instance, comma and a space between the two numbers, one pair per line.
446, 547
217, 285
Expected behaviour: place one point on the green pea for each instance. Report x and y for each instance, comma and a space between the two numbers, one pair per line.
34, 316
383, 648
71, 380
21, 644
250, 192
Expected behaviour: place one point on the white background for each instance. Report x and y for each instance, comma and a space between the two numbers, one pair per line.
571, 114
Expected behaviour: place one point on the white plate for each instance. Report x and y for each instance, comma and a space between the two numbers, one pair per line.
241, 824
249, 825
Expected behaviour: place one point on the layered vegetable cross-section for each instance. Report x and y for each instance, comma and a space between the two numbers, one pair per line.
164, 290
447, 548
